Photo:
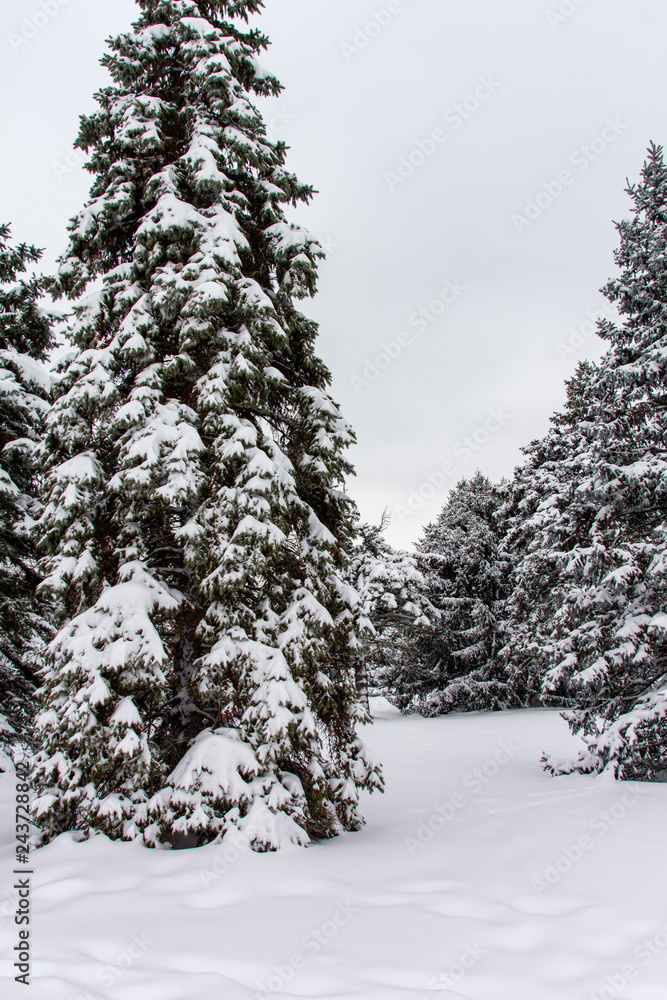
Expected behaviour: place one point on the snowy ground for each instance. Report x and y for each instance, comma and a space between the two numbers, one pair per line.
495, 884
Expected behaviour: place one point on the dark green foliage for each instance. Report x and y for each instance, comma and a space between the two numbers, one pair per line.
449, 661
25, 336
588, 621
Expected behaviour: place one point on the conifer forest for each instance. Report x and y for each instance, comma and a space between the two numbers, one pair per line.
333, 500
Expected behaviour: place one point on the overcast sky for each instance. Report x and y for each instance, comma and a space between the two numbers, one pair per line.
450, 308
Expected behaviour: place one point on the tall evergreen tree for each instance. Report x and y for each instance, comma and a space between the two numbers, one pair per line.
25, 337
197, 530
466, 576
542, 518
605, 525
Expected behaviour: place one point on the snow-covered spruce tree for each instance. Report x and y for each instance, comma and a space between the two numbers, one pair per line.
466, 575
25, 337
608, 649
196, 530
392, 593
543, 517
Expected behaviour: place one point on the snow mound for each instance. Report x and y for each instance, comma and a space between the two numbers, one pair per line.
383, 709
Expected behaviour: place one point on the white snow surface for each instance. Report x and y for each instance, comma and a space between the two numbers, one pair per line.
371, 915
